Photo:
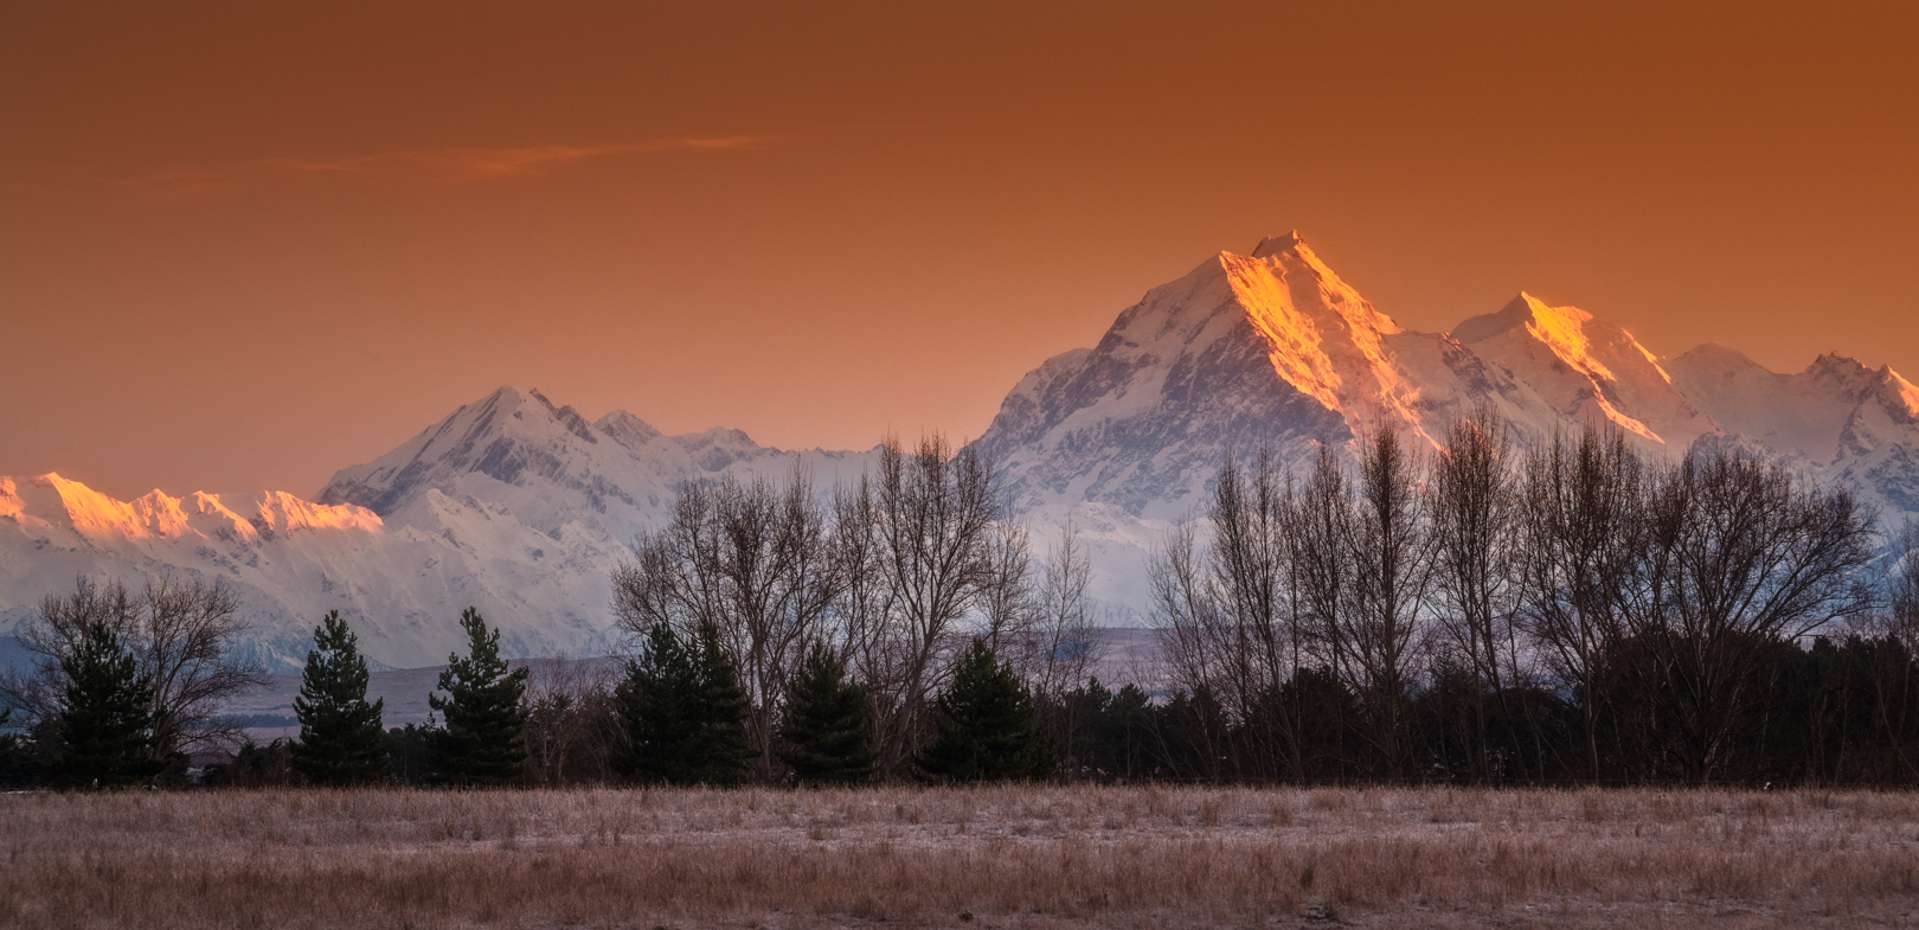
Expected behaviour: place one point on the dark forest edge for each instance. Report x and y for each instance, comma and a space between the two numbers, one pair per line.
1574, 613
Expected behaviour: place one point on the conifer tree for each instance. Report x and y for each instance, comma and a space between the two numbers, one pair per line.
484, 707
104, 713
658, 707
724, 750
684, 712
341, 742
826, 731
983, 722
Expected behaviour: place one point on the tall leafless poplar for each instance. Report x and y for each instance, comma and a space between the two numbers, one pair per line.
1184, 611
1065, 643
1252, 560
1006, 598
1582, 500
1477, 553
934, 511
1391, 563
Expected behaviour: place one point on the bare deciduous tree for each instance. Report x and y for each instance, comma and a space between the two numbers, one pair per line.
1066, 644
752, 560
1184, 611
1902, 595
1744, 558
934, 511
863, 603
1391, 563
1252, 559
1321, 558
182, 635
1478, 550
1581, 503
1006, 599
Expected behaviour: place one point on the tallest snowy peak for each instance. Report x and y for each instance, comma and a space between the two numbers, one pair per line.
1274, 245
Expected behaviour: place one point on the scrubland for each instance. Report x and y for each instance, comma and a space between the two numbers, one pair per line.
1015, 856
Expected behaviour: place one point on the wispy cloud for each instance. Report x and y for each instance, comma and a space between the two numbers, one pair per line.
486, 163
453, 164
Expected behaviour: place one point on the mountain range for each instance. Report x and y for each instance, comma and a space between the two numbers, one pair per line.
522, 507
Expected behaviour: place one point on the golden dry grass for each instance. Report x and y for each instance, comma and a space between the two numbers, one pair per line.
992, 857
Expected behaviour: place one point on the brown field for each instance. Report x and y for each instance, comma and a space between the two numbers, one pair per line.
1047, 857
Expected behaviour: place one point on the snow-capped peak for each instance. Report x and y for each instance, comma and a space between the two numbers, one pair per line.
1582, 364
1244, 351
1840, 371
1570, 332
522, 507
1273, 245
282, 512
1322, 337
54, 501
512, 503
627, 429
499, 435
1904, 391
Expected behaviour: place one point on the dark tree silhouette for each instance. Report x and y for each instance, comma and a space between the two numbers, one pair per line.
658, 704
753, 561
1476, 580
484, 709
180, 635
341, 741
983, 723
723, 707
684, 712
104, 718
827, 731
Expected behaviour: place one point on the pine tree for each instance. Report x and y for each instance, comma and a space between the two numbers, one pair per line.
826, 731
723, 749
658, 707
684, 712
341, 742
484, 708
104, 716
983, 722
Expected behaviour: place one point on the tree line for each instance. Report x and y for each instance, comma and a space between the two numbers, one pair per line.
1570, 613
780, 636
1576, 612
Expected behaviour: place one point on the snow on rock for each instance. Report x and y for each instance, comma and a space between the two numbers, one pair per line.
281, 512
511, 504
1837, 419
522, 507
1274, 350
1271, 350
1585, 368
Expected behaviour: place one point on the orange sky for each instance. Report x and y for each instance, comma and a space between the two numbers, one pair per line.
241, 247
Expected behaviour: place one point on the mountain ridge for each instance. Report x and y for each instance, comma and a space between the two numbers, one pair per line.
522, 506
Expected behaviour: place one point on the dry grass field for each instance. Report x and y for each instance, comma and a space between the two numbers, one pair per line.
993, 857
